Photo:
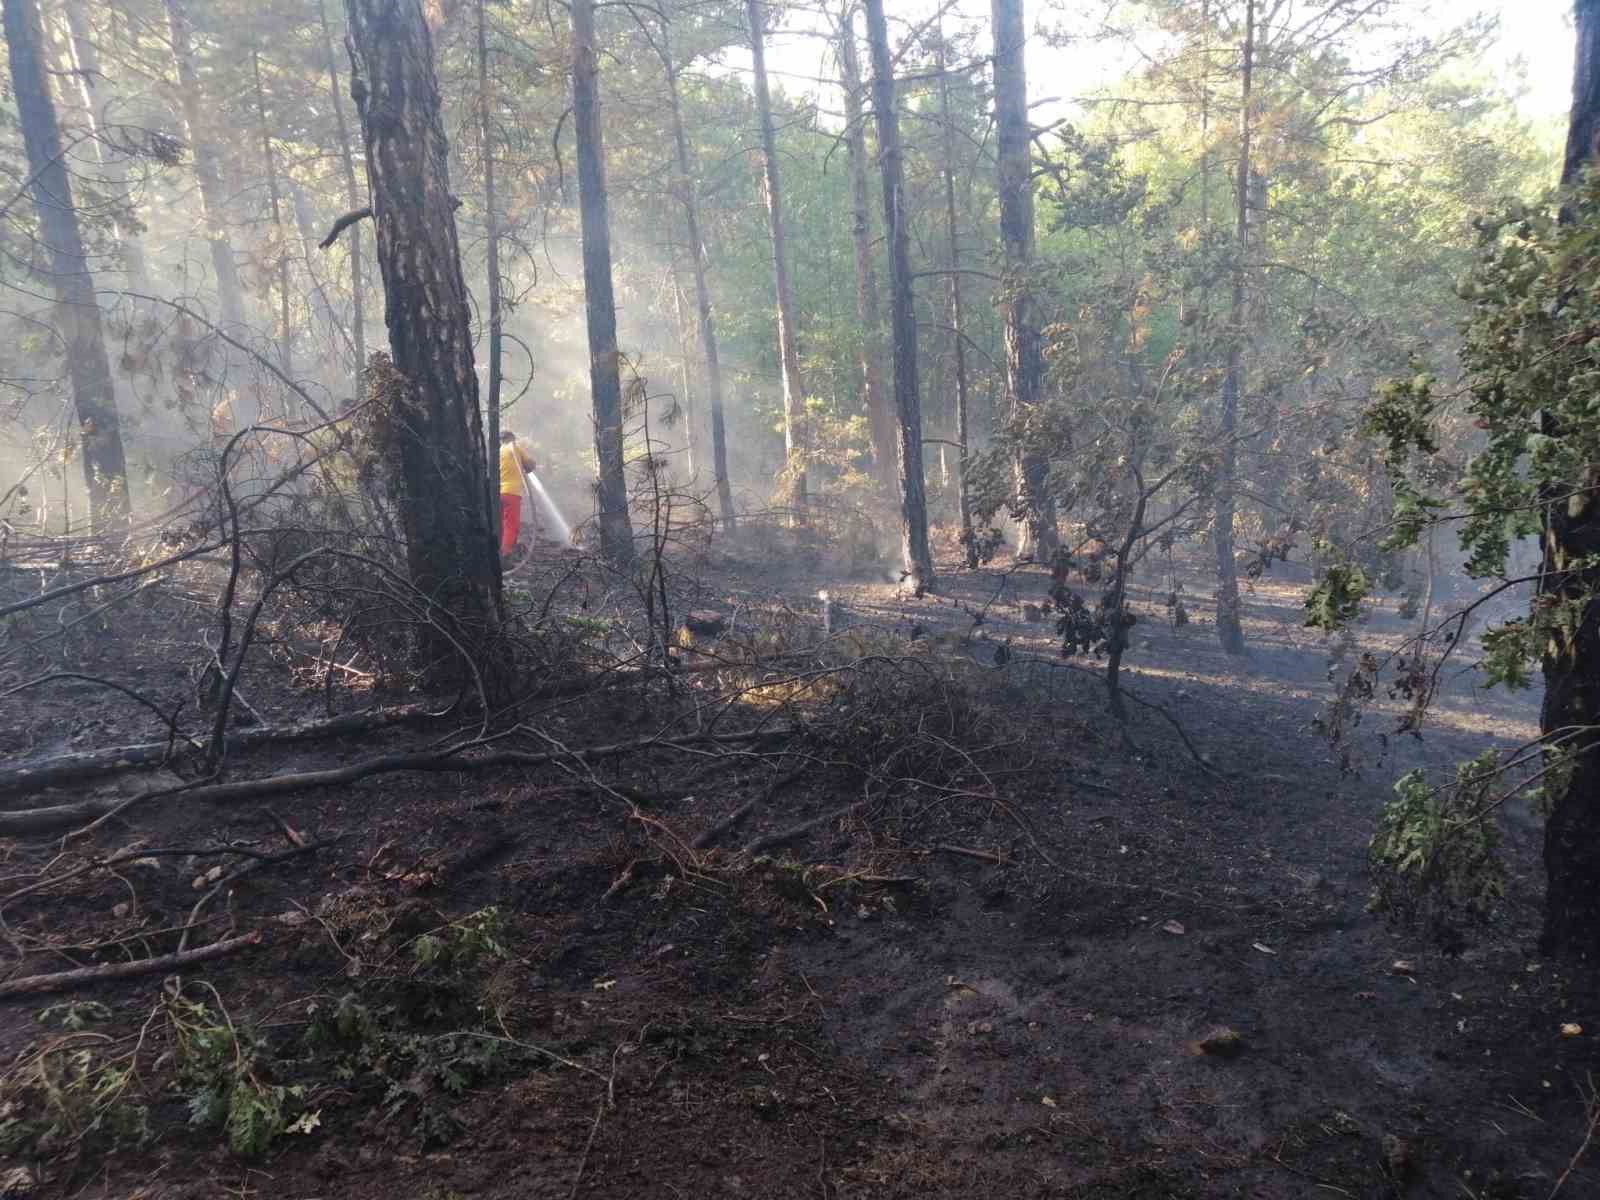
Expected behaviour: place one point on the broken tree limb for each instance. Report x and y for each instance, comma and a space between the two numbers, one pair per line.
47, 820
47, 772
712, 832
33, 985
340, 225
762, 844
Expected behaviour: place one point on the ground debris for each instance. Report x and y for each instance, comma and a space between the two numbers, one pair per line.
1220, 1042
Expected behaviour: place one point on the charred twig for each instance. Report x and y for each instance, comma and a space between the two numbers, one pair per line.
1591, 1114
987, 856
577, 1180
33, 985
233, 876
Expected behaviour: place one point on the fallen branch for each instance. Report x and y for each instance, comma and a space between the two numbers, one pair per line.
762, 844
714, 831
34, 985
45, 820
47, 772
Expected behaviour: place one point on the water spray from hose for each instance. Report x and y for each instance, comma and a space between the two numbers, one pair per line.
549, 511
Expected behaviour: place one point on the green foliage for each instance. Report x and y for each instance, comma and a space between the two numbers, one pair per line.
222, 1071
377, 1038
66, 1098
1336, 600
1435, 854
461, 945
73, 1015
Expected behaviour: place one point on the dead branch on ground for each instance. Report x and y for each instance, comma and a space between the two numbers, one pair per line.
34, 985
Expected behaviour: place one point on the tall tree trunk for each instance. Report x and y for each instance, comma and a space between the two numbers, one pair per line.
880, 418
86, 65
281, 237
491, 233
358, 325
605, 378
702, 292
1229, 631
794, 418
77, 312
1024, 361
1572, 661
691, 435
916, 557
432, 404
969, 541
208, 177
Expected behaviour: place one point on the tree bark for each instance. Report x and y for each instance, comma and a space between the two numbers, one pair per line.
874, 397
702, 292
691, 436
605, 377
432, 407
77, 311
1229, 631
285, 329
1024, 360
916, 557
1572, 661
794, 418
358, 325
193, 103
491, 233
86, 63
953, 287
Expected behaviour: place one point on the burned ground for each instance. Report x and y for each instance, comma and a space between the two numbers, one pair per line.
1023, 958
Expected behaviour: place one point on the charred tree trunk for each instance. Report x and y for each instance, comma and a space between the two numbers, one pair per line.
358, 324
916, 557
875, 399
86, 64
702, 292
77, 312
491, 233
1229, 631
281, 246
1572, 660
432, 402
230, 295
1024, 360
794, 418
953, 287
605, 372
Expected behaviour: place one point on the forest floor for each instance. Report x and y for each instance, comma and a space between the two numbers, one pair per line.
1013, 990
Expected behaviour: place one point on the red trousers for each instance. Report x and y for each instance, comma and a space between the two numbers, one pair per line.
510, 521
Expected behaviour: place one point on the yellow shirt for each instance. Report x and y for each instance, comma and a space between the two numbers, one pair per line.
513, 462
